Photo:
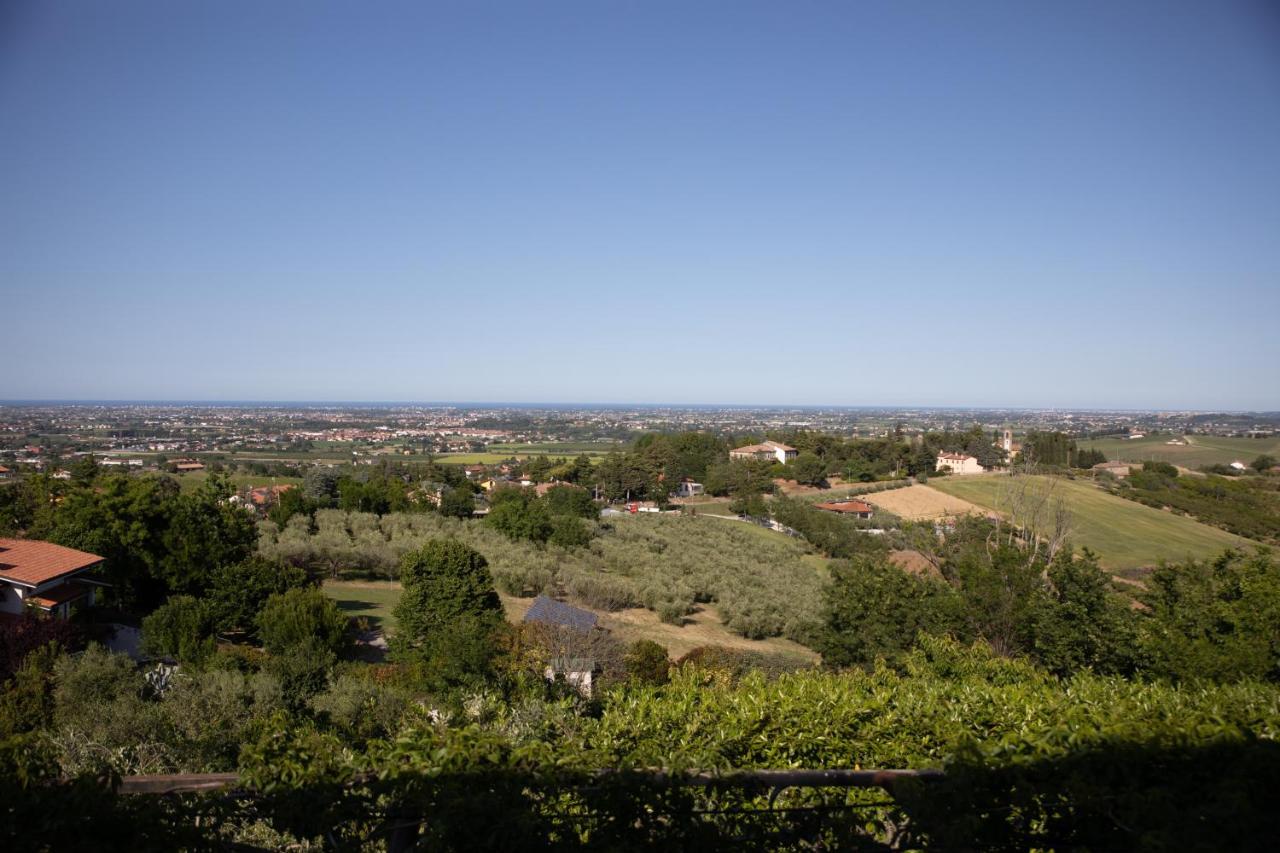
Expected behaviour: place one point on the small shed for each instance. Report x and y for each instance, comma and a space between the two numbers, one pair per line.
551, 612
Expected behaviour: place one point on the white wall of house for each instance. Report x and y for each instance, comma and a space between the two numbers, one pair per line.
967, 465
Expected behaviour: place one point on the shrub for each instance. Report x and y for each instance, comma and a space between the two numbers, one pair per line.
302, 616
181, 628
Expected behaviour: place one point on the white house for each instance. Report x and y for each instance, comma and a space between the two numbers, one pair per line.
766, 451
1239, 466
688, 488
959, 463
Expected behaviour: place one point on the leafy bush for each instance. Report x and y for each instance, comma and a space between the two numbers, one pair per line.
182, 628
302, 616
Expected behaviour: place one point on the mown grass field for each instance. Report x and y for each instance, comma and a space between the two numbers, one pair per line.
195, 479
376, 601
1124, 534
1199, 450
557, 448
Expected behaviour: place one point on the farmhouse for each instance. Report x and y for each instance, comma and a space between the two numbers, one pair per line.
764, 452
45, 577
958, 463
1115, 469
857, 509
183, 466
4, 473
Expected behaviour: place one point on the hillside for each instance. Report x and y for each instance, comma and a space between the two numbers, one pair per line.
1124, 534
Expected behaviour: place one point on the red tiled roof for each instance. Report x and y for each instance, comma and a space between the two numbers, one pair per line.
957, 456
845, 506
60, 595
31, 562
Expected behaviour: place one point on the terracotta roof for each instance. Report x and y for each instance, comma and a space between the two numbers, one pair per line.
31, 562
753, 448
844, 506
956, 456
60, 595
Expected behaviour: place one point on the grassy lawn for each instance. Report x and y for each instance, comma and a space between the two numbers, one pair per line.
195, 479
373, 600
557, 448
1199, 450
1123, 534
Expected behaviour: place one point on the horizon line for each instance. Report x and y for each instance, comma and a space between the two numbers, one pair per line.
264, 403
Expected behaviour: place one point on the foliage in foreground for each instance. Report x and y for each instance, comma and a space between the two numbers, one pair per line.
1031, 761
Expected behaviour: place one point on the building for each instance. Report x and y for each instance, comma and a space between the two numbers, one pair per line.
548, 611
688, 488
4, 473
767, 452
577, 672
45, 577
857, 509
958, 463
268, 495
1239, 466
183, 466
1115, 469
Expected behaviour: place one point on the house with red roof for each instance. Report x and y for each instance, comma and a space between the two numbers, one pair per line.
769, 450
45, 577
959, 463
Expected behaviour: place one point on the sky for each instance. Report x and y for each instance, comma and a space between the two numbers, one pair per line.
895, 203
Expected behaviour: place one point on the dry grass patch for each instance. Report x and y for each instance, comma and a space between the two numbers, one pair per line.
921, 503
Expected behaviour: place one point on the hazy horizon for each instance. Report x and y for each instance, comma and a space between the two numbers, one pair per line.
991, 205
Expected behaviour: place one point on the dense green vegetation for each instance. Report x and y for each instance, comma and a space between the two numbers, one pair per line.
1032, 761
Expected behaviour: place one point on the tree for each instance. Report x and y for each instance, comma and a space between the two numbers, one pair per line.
1080, 623
646, 662
750, 504
569, 532
1263, 463
571, 500
444, 582
875, 610
519, 516
457, 503
239, 591
1217, 620
808, 470
321, 485
302, 616
181, 628
205, 532
292, 502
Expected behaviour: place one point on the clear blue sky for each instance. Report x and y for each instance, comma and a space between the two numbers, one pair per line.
1072, 204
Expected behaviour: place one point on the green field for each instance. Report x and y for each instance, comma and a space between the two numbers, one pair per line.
1124, 534
373, 600
557, 448
194, 480
1199, 450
